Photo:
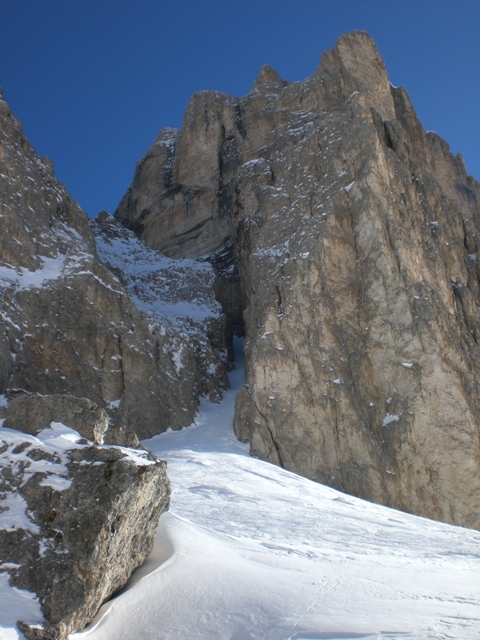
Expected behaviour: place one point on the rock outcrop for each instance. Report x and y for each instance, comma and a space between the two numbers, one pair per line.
69, 326
354, 274
32, 413
75, 518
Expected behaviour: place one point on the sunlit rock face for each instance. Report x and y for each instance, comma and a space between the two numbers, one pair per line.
355, 237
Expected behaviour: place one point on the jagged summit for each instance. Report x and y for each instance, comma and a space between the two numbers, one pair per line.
27, 186
355, 64
357, 46
219, 130
268, 81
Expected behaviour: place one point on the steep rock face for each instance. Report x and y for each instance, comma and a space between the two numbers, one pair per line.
75, 518
39, 218
356, 242
180, 202
68, 325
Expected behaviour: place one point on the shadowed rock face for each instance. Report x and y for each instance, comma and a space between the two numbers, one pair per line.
67, 323
32, 413
356, 256
76, 353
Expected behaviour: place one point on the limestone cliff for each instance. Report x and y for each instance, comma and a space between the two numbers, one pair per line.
352, 237
67, 322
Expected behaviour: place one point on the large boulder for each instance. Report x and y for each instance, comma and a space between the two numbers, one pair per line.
32, 413
76, 519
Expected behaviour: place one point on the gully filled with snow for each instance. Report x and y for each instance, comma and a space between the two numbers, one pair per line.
250, 551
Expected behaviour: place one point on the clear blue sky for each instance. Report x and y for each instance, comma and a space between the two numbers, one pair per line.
95, 80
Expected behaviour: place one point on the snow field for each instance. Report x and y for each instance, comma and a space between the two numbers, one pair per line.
250, 551
167, 290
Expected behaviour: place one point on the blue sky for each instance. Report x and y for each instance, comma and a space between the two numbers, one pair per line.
94, 81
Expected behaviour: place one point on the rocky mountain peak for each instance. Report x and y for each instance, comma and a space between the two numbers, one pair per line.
28, 186
318, 220
221, 133
268, 81
353, 237
355, 65
358, 48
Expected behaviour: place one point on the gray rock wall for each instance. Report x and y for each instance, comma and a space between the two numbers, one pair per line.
67, 323
82, 347
356, 259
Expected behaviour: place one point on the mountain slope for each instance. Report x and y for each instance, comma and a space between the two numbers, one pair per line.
67, 323
81, 350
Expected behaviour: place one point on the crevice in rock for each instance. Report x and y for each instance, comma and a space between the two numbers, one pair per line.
270, 433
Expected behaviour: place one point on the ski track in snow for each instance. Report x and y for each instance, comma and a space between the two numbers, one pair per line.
249, 551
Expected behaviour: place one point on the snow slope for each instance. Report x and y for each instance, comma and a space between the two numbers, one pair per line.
250, 551
167, 290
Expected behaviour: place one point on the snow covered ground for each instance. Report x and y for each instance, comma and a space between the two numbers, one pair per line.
250, 551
